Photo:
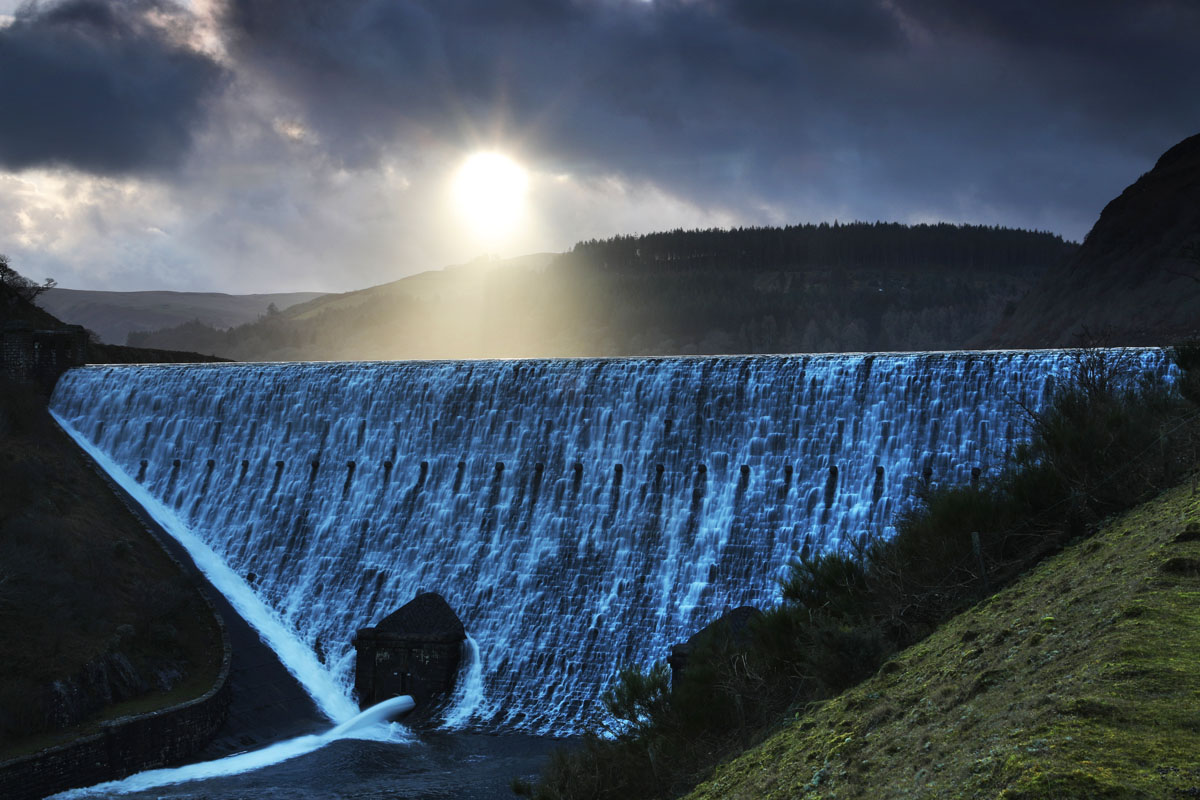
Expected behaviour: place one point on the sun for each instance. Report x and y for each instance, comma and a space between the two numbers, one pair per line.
489, 192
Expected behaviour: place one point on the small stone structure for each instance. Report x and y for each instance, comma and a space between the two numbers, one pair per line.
733, 626
41, 355
415, 650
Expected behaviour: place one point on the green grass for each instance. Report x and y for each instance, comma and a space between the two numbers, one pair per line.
1081, 680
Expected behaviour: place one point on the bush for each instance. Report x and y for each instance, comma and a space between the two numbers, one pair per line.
1186, 356
827, 583
639, 700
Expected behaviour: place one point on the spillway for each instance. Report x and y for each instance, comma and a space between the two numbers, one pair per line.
579, 515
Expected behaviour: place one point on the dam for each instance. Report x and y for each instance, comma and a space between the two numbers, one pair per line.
578, 515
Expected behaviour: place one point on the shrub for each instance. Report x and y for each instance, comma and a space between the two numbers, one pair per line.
638, 701
827, 583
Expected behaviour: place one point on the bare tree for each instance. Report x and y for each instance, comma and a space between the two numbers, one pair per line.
18, 284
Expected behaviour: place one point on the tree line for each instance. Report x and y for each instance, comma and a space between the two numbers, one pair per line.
878, 245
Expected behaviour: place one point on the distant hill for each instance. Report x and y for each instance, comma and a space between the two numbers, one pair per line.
1130, 283
805, 288
114, 315
15, 306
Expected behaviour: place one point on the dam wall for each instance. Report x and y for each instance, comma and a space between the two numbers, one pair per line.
578, 515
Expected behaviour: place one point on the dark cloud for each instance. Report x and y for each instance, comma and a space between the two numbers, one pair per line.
753, 98
854, 25
104, 86
329, 128
1120, 63
604, 83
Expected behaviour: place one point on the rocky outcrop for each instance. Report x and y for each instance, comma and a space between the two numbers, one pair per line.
415, 650
105, 680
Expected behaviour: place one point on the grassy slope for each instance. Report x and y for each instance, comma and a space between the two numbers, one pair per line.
96, 621
1082, 680
82, 581
456, 283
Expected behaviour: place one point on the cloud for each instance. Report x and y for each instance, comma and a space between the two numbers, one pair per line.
102, 86
273, 139
752, 102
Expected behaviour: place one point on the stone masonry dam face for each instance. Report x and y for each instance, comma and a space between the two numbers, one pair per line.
579, 515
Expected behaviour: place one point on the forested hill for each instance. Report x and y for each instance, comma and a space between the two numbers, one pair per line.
857, 245
805, 288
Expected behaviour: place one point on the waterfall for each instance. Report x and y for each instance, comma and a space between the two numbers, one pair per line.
579, 515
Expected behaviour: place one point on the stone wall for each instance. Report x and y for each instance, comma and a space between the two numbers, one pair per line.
416, 651
41, 355
123, 746
388, 667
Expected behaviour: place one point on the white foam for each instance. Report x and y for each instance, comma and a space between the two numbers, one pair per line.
469, 693
366, 725
370, 724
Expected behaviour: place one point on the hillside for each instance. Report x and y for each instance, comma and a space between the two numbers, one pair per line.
97, 621
807, 288
1130, 280
1082, 680
114, 315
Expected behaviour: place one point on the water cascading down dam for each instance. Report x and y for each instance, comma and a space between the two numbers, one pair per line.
579, 515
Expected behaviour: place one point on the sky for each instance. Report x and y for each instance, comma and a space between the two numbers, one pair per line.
316, 145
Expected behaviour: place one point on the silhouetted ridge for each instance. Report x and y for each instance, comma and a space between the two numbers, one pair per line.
1186, 154
1134, 280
